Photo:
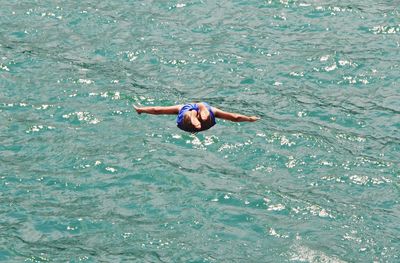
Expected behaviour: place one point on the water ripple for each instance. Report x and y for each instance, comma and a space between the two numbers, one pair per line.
84, 178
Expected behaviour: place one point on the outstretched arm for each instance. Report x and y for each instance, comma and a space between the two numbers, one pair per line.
233, 116
158, 109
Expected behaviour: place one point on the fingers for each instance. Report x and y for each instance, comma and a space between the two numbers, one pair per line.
204, 113
254, 118
195, 122
137, 109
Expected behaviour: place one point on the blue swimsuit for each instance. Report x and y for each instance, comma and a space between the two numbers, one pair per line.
189, 107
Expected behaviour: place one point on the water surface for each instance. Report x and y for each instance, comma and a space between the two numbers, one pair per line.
84, 178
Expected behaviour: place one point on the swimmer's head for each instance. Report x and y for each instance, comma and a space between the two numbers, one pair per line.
187, 122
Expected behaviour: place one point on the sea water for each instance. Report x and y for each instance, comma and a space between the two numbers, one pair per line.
85, 178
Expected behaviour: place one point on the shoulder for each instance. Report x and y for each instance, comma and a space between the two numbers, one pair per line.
215, 110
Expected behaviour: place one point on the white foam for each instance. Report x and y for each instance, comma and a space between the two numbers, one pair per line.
85, 81
111, 169
359, 179
324, 58
277, 207
330, 68
4, 67
305, 254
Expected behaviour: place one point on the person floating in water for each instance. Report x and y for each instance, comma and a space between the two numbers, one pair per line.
195, 117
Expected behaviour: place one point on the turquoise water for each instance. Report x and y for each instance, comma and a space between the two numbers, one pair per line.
84, 178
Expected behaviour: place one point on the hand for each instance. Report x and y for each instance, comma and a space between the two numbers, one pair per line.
138, 110
194, 120
203, 112
254, 118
